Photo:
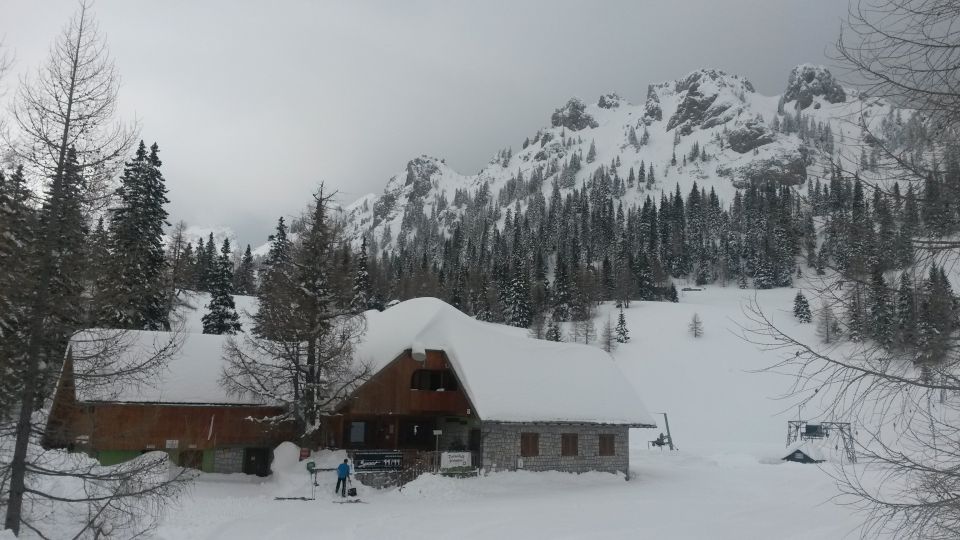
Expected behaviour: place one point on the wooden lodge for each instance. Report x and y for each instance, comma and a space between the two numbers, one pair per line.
445, 382
443, 390
402, 405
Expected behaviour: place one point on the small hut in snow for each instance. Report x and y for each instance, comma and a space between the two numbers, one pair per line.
804, 452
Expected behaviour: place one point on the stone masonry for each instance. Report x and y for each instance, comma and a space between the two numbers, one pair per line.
228, 460
501, 447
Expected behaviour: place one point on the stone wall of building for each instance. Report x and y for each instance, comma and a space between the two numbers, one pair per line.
456, 433
228, 460
501, 448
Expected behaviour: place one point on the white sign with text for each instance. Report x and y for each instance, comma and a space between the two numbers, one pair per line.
451, 460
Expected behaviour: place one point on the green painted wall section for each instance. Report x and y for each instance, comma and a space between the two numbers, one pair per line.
112, 457
207, 461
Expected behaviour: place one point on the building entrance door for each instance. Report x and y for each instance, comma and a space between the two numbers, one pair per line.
416, 433
256, 461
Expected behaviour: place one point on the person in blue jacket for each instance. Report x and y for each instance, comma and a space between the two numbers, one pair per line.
343, 473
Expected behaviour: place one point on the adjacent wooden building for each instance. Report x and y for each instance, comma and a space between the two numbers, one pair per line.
181, 409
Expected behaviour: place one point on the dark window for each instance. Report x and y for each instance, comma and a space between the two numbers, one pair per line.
608, 445
529, 444
433, 380
358, 431
568, 444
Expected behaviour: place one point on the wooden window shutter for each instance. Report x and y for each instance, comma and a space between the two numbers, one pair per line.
608, 445
529, 444
569, 444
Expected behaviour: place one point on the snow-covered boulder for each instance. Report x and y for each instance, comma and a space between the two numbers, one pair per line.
573, 116
609, 101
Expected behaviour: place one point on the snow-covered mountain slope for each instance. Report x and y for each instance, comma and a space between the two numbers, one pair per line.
739, 136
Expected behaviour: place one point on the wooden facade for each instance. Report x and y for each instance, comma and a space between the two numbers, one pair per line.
401, 405
189, 432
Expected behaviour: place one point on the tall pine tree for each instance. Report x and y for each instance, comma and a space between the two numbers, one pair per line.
134, 296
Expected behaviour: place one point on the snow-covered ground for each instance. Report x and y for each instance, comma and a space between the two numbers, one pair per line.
674, 496
726, 482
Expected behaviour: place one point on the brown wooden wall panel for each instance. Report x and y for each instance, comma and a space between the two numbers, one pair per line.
139, 426
389, 392
122, 426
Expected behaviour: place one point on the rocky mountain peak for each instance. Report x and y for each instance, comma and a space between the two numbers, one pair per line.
706, 98
808, 81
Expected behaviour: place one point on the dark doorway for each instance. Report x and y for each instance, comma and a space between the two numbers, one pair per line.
191, 459
474, 440
416, 433
256, 461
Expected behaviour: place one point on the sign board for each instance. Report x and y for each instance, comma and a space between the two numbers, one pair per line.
451, 460
438, 432
304, 453
172, 444
378, 461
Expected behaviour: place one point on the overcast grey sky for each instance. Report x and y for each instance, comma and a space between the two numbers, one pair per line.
254, 103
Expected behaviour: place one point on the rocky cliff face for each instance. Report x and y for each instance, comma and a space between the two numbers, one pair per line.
807, 82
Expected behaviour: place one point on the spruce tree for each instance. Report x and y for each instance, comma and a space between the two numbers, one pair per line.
592, 153
906, 308
206, 264
98, 275
881, 312
362, 292
221, 316
553, 332
672, 295
276, 291
518, 297
244, 279
135, 288
937, 317
801, 308
623, 334
17, 236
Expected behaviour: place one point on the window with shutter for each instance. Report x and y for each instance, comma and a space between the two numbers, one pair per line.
568, 444
607, 445
529, 444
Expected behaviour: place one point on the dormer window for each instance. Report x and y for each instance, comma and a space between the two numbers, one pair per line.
433, 380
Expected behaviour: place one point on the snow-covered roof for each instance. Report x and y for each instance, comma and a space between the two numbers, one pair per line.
177, 367
812, 451
508, 376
